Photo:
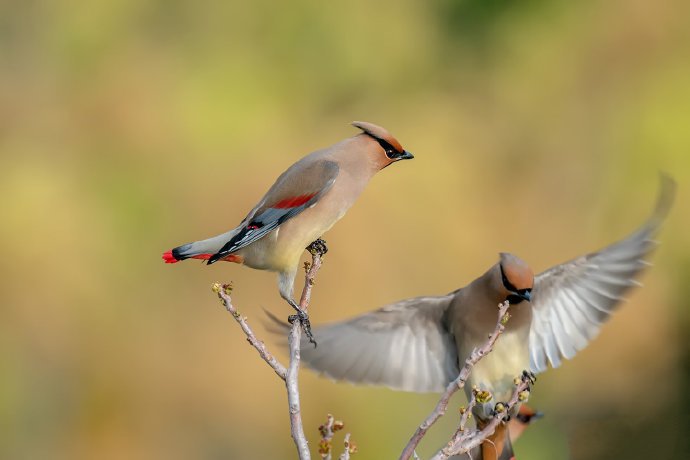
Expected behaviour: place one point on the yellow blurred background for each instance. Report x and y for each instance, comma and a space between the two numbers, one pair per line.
129, 127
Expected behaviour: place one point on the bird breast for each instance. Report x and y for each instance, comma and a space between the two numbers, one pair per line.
497, 370
281, 249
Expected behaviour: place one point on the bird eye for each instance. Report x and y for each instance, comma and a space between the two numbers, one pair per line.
523, 418
389, 149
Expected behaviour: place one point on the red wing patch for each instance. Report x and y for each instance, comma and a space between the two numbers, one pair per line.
293, 202
170, 259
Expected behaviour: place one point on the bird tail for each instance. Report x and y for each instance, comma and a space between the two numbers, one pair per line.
275, 325
203, 249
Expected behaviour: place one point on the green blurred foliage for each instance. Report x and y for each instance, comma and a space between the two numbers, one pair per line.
128, 127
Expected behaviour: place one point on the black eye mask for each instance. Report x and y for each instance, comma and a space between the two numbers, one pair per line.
391, 152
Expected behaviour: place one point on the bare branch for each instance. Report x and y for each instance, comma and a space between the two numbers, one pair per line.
291, 380
350, 448
326, 430
224, 292
458, 383
466, 413
289, 374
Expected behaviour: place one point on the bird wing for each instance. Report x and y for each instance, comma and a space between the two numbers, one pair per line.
405, 346
297, 189
571, 301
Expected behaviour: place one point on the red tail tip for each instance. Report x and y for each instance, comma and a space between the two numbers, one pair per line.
169, 258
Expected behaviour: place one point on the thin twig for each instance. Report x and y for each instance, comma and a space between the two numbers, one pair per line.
289, 374
465, 441
325, 445
327, 431
346, 453
349, 448
467, 413
458, 383
291, 380
224, 292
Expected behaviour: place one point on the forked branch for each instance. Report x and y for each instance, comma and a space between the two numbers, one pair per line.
457, 384
290, 374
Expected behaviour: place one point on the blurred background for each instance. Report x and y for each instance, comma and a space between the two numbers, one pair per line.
128, 127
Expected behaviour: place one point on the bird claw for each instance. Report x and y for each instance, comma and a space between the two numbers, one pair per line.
318, 247
529, 377
303, 319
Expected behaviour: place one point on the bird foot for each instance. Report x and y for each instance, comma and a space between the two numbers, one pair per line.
318, 247
529, 377
303, 319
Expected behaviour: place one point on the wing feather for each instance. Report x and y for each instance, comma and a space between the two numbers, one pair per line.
572, 300
405, 346
297, 189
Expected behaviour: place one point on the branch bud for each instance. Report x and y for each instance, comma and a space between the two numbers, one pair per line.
324, 448
505, 318
482, 396
352, 448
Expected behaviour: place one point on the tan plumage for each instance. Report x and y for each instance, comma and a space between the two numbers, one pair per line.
417, 344
305, 201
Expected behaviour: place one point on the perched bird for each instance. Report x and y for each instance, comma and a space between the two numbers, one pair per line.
304, 203
419, 344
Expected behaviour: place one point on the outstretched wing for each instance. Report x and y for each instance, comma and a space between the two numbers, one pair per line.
405, 346
572, 300
297, 189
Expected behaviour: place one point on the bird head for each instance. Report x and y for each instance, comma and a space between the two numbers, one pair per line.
524, 418
390, 149
527, 415
517, 279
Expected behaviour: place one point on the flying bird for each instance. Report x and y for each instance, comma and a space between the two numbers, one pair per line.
419, 344
304, 202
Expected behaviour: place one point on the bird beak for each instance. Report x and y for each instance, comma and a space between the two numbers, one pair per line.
527, 296
406, 155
